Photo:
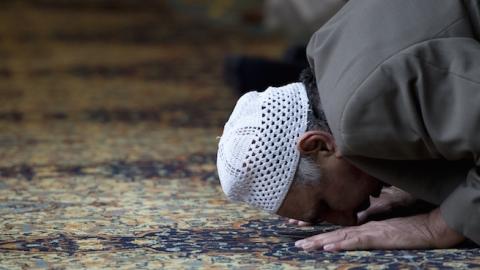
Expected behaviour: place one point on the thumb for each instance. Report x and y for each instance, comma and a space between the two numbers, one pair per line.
377, 207
362, 217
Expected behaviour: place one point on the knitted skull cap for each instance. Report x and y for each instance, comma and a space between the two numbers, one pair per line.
257, 153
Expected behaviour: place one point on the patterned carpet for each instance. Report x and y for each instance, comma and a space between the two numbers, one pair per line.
109, 113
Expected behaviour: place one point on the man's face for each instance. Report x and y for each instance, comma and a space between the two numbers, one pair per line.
342, 192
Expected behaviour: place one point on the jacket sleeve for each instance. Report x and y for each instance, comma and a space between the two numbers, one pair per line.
443, 90
424, 103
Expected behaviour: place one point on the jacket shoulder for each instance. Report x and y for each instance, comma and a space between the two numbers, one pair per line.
347, 50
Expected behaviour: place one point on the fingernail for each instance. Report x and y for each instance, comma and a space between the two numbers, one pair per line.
299, 243
328, 247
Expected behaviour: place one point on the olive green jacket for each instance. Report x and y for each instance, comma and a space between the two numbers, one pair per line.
399, 82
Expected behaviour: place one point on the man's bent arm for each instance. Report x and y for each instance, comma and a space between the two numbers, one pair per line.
447, 72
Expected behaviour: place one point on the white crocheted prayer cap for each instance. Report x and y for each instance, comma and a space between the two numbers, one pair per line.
257, 153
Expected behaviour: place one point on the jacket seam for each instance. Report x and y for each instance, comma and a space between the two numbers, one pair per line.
446, 70
377, 67
449, 26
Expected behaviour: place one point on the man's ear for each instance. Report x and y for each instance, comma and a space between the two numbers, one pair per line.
314, 141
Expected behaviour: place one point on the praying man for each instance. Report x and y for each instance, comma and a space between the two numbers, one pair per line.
388, 114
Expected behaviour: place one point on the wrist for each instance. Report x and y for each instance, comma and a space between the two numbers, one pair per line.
443, 236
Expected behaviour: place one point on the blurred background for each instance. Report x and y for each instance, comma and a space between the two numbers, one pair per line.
109, 114
85, 81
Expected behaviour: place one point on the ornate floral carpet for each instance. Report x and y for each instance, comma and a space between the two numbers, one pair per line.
109, 113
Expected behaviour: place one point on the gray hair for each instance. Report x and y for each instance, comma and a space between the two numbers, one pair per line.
308, 171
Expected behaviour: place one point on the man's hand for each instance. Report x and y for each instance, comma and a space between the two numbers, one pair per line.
299, 222
415, 232
390, 198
